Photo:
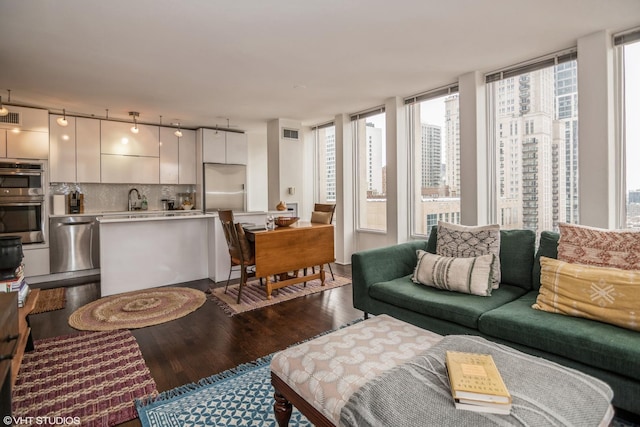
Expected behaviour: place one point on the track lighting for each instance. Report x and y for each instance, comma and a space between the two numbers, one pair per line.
3, 109
134, 128
178, 132
62, 121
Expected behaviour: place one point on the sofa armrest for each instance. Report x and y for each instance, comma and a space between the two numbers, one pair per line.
380, 265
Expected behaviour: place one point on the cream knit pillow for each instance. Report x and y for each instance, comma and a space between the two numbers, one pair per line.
461, 241
466, 275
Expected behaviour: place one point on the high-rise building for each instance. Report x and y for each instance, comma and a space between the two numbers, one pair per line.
374, 159
566, 107
452, 129
431, 164
536, 147
330, 156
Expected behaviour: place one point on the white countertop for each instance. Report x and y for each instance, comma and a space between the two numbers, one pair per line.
153, 216
131, 213
129, 216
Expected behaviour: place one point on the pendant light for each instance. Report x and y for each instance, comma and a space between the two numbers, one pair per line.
178, 132
134, 128
3, 109
62, 121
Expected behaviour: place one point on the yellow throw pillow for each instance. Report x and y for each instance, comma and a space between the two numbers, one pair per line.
609, 295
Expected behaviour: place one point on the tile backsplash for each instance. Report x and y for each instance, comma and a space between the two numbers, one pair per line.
113, 197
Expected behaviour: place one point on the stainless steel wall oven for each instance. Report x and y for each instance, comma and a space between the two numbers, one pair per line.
22, 205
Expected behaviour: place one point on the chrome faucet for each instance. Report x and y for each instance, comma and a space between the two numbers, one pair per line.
132, 206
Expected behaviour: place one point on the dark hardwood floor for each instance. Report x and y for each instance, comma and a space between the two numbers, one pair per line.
207, 341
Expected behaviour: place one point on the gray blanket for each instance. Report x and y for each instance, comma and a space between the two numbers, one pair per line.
417, 393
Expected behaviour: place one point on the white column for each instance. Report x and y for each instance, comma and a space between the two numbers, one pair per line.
596, 129
345, 202
474, 191
397, 172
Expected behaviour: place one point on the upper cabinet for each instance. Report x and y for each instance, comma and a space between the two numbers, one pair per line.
129, 157
129, 169
224, 147
93, 150
117, 138
177, 157
25, 133
62, 150
214, 146
87, 150
26, 144
237, 148
74, 150
3, 143
187, 157
169, 156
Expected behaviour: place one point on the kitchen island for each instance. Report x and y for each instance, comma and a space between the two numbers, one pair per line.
147, 250
141, 251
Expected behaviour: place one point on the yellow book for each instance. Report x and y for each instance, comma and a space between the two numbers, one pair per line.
475, 378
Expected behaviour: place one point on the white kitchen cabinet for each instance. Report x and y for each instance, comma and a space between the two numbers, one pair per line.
29, 139
33, 119
214, 146
87, 150
224, 147
36, 262
169, 156
3, 143
27, 144
62, 150
187, 157
118, 169
117, 138
237, 148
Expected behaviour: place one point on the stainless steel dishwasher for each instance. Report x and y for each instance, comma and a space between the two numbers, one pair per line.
74, 243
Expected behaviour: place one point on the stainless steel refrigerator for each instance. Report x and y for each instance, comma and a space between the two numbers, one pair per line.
225, 187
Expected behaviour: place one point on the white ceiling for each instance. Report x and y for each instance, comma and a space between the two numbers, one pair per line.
250, 61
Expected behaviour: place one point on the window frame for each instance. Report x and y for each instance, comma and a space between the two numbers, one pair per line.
621, 39
357, 178
493, 110
410, 103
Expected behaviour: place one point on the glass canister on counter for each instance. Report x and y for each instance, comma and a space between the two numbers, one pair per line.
270, 223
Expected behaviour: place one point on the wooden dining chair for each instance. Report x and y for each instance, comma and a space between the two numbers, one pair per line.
323, 214
240, 252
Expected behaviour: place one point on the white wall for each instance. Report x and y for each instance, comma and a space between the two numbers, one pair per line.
473, 150
287, 166
257, 170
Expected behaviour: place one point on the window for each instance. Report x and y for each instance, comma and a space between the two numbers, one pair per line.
370, 135
325, 140
434, 134
631, 76
537, 163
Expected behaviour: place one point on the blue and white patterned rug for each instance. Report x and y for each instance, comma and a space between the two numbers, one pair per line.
242, 396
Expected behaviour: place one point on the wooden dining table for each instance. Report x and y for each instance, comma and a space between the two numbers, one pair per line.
285, 255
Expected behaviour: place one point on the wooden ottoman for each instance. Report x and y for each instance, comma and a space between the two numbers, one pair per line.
319, 376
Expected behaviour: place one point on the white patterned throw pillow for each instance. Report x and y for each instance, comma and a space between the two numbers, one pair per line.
461, 241
466, 275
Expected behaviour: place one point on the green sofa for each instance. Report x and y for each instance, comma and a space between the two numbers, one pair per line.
382, 284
